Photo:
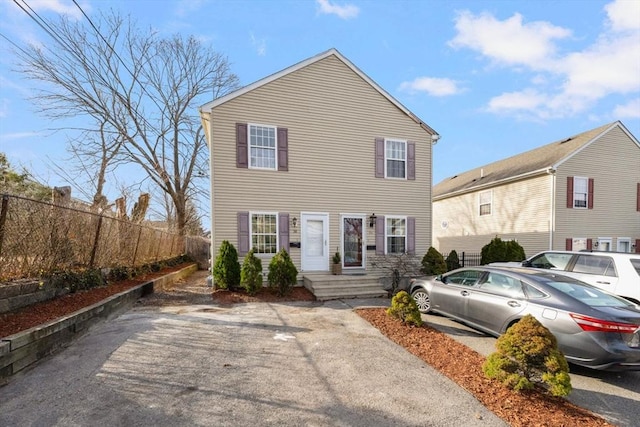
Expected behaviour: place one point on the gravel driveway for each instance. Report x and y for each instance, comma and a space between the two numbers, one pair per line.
288, 364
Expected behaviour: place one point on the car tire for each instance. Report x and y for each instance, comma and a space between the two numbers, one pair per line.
421, 297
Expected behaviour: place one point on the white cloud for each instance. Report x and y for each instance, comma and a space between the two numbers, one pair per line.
565, 84
624, 15
347, 11
259, 44
432, 85
508, 42
630, 110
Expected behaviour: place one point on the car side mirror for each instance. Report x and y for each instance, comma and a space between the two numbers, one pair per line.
526, 263
439, 277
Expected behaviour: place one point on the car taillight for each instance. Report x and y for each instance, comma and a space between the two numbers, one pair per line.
591, 324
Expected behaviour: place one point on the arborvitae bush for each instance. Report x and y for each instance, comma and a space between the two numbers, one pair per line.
433, 262
527, 354
226, 270
282, 273
251, 273
452, 261
514, 251
404, 307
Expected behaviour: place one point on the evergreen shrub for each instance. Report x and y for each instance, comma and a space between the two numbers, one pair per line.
251, 273
433, 263
226, 270
404, 307
283, 273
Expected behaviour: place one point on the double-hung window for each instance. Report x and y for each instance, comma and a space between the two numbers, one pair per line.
264, 233
262, 147
395, 158
485, 201
396, 235
580, 192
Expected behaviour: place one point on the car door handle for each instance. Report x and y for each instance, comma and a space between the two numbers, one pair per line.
513, 304
464, 293
603, 282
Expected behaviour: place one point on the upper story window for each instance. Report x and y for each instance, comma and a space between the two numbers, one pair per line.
262, 147
264, 233
395, 158
396, 235
485, 201
580, 192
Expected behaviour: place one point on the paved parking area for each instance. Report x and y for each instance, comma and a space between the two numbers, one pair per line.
261, 364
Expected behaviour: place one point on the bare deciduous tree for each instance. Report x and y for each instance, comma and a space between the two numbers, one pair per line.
142, 89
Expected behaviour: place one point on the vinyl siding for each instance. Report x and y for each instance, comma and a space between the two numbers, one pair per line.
520, 211
332, 117
613, 161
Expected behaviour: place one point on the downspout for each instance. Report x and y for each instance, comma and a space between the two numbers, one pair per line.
212, 220
552, 207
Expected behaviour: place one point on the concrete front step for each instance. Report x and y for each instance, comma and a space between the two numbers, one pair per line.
327, 287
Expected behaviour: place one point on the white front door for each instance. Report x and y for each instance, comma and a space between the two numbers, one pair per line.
315, 242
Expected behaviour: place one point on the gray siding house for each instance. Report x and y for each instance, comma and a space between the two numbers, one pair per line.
318, 158
581, 192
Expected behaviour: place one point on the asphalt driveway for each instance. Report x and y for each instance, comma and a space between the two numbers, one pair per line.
260, 364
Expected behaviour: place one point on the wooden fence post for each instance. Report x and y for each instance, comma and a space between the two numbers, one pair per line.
135, 252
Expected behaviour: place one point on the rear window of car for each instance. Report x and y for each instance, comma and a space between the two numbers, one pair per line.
589, 295
595, 264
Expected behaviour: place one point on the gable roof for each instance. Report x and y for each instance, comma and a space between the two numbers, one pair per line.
219, 101
538, 161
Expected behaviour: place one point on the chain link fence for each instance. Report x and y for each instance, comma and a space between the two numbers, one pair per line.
38, 239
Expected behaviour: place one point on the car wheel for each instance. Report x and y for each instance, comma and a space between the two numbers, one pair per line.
422, 299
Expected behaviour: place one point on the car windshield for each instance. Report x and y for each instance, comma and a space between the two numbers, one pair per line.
589, 295
551, 260
636, 265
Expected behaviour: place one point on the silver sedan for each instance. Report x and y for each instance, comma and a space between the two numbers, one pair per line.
594, 328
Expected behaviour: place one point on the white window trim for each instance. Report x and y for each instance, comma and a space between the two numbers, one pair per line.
620, 240
386, 236
275, 148
574, 192
576, 239
602, 240
251, 214
481, 204
406, 162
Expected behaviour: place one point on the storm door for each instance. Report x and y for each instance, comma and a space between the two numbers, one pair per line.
353, 241
315, 250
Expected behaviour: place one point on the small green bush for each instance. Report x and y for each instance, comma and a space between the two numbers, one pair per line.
251, 273
433, 263
226, 270
527, 354
452, 261
500, 251
404, 307
78, 280
282, 273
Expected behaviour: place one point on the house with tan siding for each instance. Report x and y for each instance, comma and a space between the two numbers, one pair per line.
579, 193
318, 158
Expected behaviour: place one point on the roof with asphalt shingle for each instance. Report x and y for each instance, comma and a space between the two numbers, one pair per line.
539, 159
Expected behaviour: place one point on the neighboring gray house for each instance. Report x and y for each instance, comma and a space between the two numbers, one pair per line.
318, 158
582, 192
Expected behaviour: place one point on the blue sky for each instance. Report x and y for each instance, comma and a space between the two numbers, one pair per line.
494, 78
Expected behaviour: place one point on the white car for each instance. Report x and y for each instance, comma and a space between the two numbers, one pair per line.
616, 272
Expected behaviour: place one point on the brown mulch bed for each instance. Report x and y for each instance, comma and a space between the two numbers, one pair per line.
46, 311
299, 293
464, 367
